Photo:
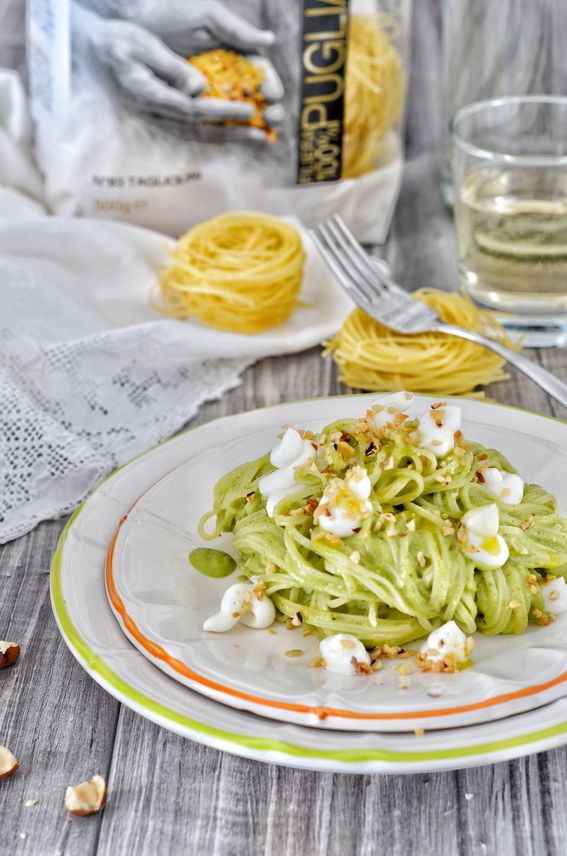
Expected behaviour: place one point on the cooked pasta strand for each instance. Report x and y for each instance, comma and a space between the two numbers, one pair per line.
405, 570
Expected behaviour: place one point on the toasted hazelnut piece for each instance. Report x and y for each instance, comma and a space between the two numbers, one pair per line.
9, 653
86, 798
8, 763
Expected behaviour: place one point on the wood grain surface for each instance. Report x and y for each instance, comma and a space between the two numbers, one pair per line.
168, 795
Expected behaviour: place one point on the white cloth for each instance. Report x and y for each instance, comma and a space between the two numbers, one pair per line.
21, 191
90, 375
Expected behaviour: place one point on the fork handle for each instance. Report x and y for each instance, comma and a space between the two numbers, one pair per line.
551, 384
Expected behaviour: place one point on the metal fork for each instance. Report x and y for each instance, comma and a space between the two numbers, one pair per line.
368, 281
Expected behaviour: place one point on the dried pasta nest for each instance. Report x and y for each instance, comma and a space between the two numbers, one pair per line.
373, 357
240, 272
374, 92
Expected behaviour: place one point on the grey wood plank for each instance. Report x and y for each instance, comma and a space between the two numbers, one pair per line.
53, 717
491, 800
552, 790
225, 805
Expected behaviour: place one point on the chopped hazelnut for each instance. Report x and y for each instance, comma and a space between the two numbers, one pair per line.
8, 763
86, 798
361, 668
9, 653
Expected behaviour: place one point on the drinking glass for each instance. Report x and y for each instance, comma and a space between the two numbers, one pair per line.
498, 48
509, 159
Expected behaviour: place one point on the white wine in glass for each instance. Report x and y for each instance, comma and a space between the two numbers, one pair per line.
512, 235
510, 191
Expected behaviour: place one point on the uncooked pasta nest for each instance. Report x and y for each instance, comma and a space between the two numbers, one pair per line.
240, 272
374, 94
373, 357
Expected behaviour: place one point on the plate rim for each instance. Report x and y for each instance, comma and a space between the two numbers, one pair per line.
243, 744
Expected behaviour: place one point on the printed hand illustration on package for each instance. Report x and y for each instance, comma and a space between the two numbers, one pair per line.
158, 82
169, 112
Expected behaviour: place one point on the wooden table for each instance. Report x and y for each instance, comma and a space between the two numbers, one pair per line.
171, 796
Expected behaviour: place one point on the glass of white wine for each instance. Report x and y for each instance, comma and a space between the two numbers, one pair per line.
510, 180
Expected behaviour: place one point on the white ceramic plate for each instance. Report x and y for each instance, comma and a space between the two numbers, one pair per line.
161, 601
95, 639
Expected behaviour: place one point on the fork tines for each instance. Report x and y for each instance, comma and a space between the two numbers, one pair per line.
356, 271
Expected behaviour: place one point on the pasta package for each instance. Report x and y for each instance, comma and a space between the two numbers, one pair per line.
165, 113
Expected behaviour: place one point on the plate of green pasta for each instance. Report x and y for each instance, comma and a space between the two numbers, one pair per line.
385, 563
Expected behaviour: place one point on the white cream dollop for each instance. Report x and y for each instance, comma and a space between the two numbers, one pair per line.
241, 603
344, 502
291, 452
338, 650
437, 427
555, 596
481, 526
447, 639
397, 402
507, 487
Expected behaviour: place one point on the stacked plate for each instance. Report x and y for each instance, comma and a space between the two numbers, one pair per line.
131, 609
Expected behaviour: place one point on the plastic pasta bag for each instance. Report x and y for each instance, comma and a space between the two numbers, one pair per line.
167, 112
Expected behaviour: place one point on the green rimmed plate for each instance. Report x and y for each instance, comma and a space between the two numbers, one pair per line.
94, 637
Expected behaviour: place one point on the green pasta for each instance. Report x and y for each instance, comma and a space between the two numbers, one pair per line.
407, 568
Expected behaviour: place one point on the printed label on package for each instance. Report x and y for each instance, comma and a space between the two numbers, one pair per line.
321, 115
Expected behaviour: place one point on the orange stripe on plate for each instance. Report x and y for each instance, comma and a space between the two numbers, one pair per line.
320, 712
